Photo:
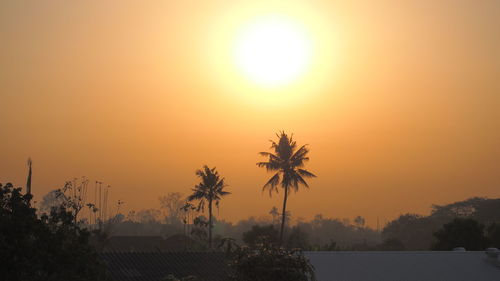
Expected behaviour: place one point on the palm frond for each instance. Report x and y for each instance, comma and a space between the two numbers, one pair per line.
270, 166
300, 179
272, 183
267, 154
224, 193
270, 189
201, 206
300, 153
306, 173
299, 157
197, 194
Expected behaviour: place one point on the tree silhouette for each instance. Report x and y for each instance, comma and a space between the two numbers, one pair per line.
210, 189
269, 262
493, 231
258, 234
172, 205
359, 221
274, 213
287, 161
461, 232
47, 247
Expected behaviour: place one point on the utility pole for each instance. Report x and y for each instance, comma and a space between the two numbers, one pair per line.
100, 202
95, 204
106, 191
28, 181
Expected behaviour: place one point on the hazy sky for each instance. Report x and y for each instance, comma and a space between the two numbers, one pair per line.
401, 106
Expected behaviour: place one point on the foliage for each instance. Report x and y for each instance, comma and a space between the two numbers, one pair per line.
319, 231
52, 247
268, 262
288, 162
188, 211
467, 233
322, 231
50, 200
227, 244
298, 238
274, 214
331, 246
415, 232
145, 216
493, 231
359, 221
392, 244
407, 232
172, 205
481, 209
72, 196
210, 190
259, 233
199, 230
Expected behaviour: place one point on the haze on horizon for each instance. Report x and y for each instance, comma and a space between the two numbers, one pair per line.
400, 109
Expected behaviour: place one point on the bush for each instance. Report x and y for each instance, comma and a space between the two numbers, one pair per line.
268, 262
51, 247
466, 233
259, 233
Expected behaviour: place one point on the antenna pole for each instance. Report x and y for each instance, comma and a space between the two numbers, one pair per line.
28, 181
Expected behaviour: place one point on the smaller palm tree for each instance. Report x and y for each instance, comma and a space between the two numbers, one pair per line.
209, 190
287, 162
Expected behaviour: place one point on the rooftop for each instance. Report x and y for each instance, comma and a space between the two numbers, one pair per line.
408, 266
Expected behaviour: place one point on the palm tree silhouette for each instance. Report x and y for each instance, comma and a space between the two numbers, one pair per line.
287, 161
274, 213
210, 189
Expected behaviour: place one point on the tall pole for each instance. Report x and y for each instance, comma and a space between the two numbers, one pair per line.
28, 181
100, 202
106, 192
95, 205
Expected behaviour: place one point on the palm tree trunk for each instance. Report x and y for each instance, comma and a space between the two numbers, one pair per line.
283, 216
210, 225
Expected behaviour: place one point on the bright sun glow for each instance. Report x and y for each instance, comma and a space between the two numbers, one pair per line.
273, 51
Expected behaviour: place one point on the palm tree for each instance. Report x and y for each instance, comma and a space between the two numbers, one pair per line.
274, 213
287, 161
210, 189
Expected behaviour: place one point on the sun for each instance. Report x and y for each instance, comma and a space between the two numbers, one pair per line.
272, 51
272, 55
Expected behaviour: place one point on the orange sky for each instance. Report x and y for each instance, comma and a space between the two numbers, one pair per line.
401, 110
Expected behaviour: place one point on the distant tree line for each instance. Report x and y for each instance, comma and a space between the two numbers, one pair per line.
473, 224
407, 232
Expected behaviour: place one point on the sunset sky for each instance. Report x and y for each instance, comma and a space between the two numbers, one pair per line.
399, 101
